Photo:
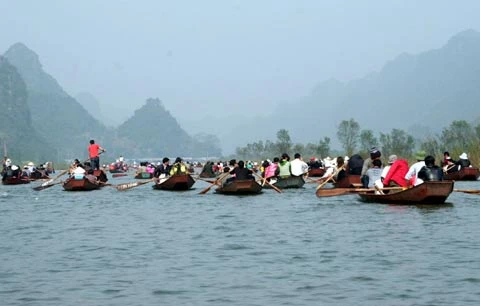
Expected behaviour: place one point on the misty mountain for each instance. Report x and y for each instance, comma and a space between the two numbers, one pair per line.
411, 92
155, 132
91, 104
16, 128
57, 116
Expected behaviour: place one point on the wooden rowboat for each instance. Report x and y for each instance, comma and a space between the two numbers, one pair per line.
427, 193
316, 172
72, 184
464, 174
240, 187
349, 181
176, 182
16, 180
289, 182
144, 175
205, 174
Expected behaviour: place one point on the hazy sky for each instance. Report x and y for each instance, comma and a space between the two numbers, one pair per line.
217, 56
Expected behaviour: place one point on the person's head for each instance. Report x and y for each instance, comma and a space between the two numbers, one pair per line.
446, 154
285, 156
429, 161
375, 153
178, 160
340, 161
92, 141
377, 163
232, 162
241, 164
420, 155
276, 159
463, 156
297, 155
392, 158
165, 160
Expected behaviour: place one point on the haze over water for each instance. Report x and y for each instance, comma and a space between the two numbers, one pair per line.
146, 247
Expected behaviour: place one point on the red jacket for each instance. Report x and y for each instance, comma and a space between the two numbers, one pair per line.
397, 173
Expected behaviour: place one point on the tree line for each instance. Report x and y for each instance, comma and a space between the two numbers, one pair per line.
460, 136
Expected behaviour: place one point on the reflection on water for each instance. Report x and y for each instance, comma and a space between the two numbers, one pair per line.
149, 247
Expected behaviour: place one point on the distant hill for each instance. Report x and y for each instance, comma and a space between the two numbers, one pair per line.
156, 132
91, 104
411, 92
16, 128
57, 116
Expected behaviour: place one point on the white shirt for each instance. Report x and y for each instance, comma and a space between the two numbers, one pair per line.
413, 172
298, 167
385, 171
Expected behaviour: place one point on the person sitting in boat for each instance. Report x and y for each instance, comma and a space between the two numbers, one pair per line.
231, 165
78, 173
430, 172
412, 174
240, 173
150, 168
374, 174
314, 163
450, 166
285, 167
272, 170
142, 168
92, 178
163, 170
355, 165
208, 169
178, 167
396, 174
446, 159
367, 164
341, 173
297, 166
463, 161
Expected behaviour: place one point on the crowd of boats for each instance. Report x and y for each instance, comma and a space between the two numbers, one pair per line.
334, 177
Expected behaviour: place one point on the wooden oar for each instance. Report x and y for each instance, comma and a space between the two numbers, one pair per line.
331, 192
126, 186
119, 174
331, 176
470, 191
269, 184
41, 187
219, 178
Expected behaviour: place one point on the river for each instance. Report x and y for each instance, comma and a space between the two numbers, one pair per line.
148, 247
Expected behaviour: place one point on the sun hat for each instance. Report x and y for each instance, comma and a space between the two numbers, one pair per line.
420, 155
392, 158
14, 167
463, 156
30, 164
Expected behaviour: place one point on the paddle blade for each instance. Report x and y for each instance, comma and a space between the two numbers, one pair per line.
43, 187
331, 192
126, 186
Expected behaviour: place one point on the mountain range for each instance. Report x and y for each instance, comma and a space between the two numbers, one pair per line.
58, 126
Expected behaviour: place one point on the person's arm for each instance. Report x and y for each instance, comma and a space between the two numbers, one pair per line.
365, 166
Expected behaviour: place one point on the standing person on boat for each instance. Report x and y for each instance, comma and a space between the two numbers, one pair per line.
355, 165
463, 161
396, 175
163, 170
367, 164
93, 154
412, 174
285, 167
430, 172
297, 166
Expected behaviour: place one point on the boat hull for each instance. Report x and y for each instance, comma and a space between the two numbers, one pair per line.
16, 180
464, 174
176, 182
349, 181
289, 182
426, 193
240, 187
316, 172
84, 184
144, 175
